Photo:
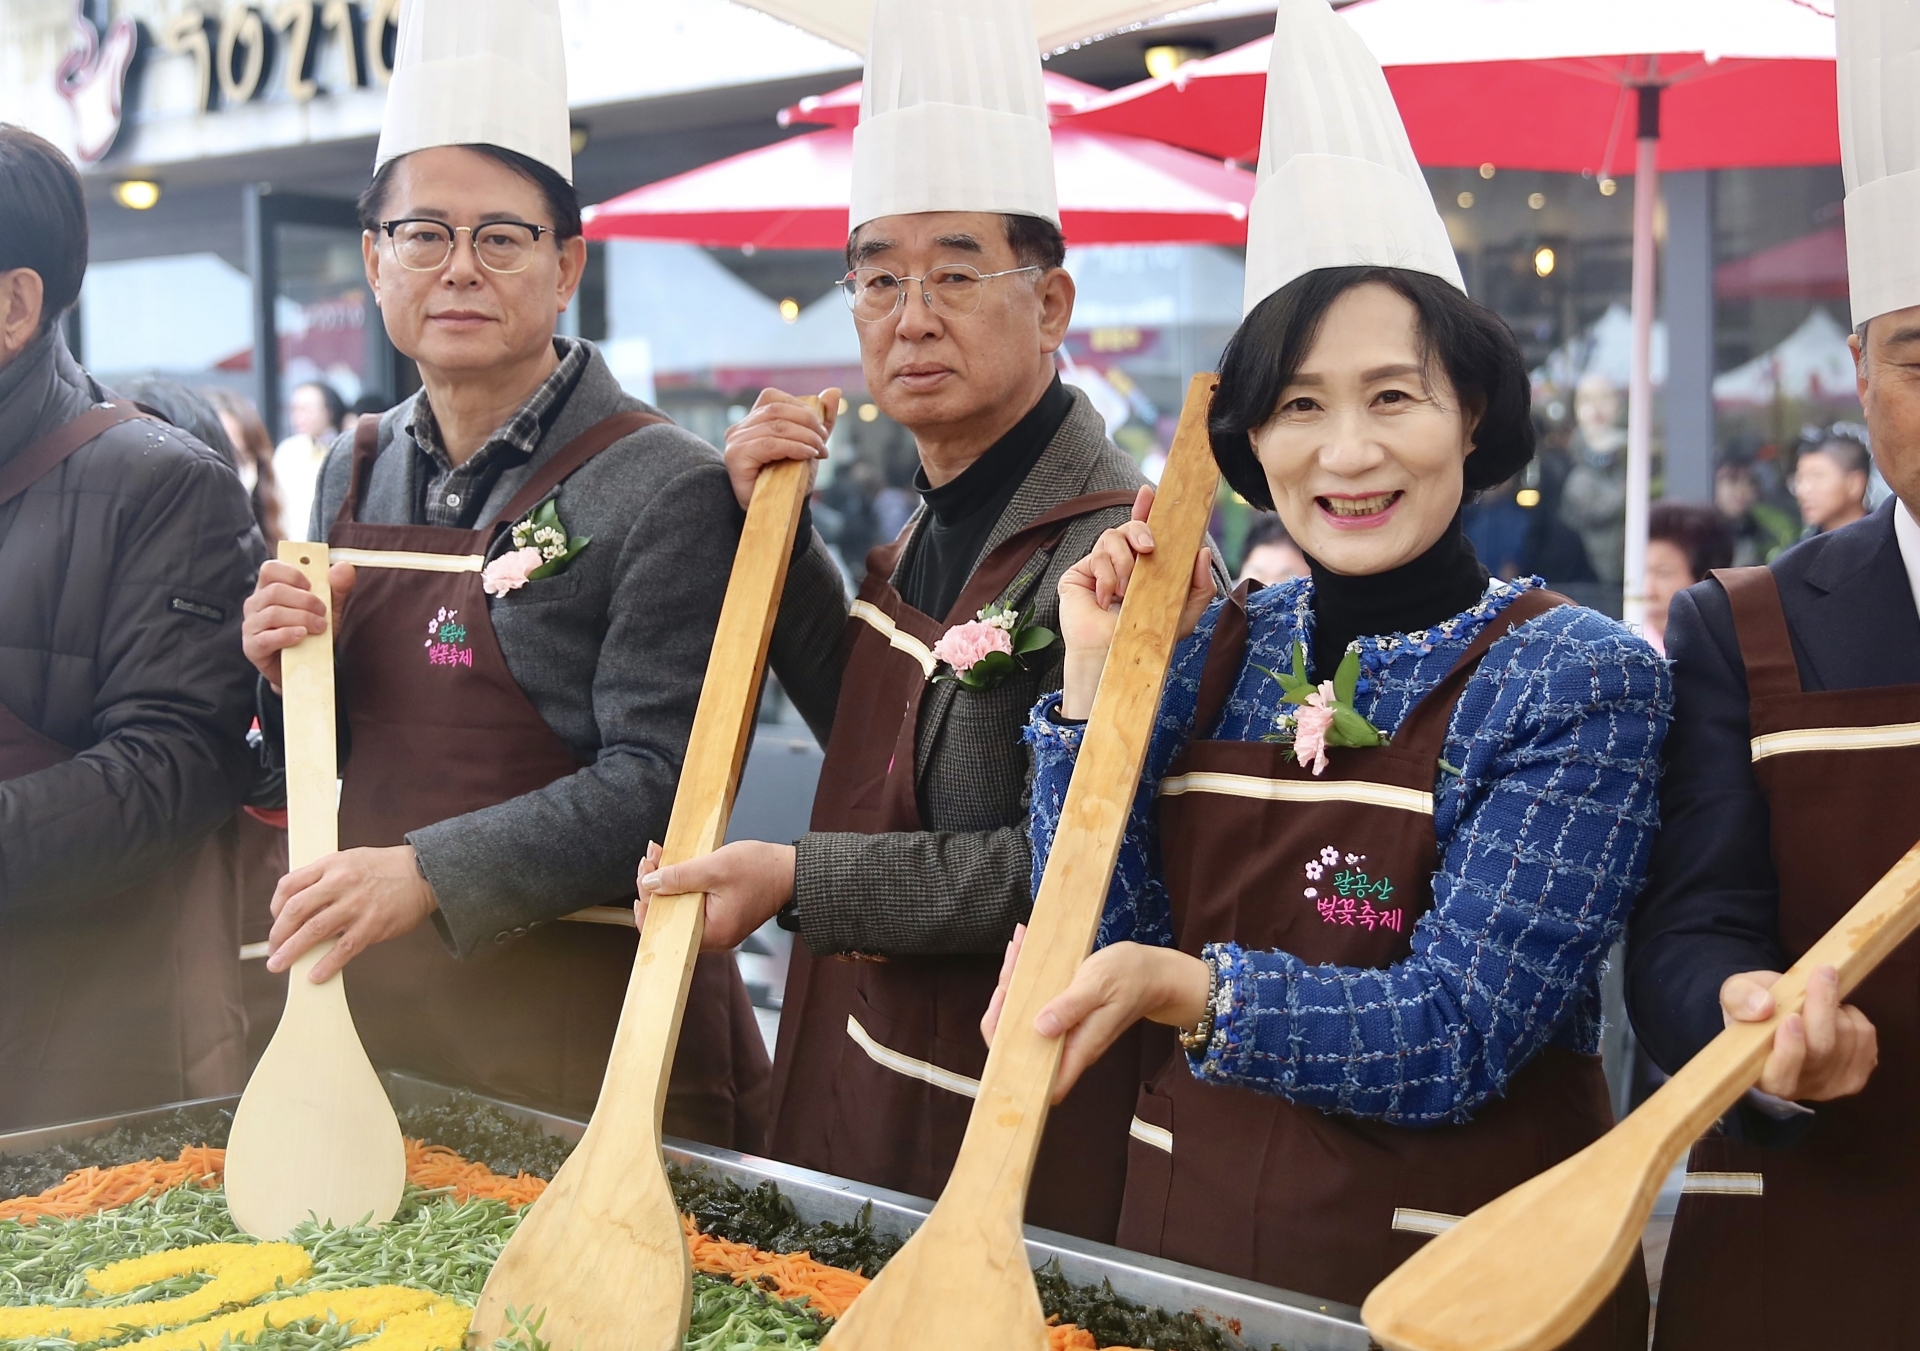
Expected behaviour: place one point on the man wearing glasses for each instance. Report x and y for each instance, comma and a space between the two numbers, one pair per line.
512, 735
917, 868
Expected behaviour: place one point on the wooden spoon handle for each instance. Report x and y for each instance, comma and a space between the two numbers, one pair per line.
722, 725
306, 684
1003, 1133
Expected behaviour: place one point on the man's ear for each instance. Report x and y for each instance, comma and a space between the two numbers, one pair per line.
1056, 292
573, 267
22, 302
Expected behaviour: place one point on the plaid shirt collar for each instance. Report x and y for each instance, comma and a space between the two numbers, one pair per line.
517, 436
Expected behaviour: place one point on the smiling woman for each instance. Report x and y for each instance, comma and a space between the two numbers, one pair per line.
1393, 814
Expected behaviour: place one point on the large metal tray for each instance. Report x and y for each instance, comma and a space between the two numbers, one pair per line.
1261, 1316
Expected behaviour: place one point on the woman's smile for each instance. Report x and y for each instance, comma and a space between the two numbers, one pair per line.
1347, 511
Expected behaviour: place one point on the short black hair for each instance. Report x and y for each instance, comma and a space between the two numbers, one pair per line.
1696, 530
1469, 341
1845, 449
43, 219
563, 202
1035, 241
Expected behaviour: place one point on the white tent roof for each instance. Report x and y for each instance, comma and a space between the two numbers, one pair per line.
1812, 362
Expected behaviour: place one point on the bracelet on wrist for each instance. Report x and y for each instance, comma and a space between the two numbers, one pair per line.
1194, 1039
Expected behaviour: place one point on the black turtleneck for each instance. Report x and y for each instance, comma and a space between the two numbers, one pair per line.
962, 512
1439, 584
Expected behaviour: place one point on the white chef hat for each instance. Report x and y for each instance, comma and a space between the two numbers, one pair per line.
1338, 185
480, 72
952, 113
1879, 50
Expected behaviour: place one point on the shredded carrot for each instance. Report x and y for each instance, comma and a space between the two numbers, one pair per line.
87, 1190
1071, 1337
435, 1167
793, 1276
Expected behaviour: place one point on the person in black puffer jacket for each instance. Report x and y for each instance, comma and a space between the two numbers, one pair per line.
124, 706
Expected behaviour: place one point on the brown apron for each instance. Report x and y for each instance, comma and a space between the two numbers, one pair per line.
1334, 869
122, 1001
878, 1059
1815, 1244
440, 728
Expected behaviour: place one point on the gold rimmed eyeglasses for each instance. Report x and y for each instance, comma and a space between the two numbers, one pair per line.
952, 291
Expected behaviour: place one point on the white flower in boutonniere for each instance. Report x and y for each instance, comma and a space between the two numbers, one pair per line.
541, 548
1323, 715
986, 650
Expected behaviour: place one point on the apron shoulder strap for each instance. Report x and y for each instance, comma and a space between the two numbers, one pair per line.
570, 457
365, 434
1760, 624
1003, 565
1423, 732
40, 458
1226, 654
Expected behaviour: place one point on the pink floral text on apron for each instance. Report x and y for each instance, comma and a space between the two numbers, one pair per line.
447, 640
1350, 892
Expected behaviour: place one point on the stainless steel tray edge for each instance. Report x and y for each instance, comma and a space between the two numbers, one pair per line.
1261, 1316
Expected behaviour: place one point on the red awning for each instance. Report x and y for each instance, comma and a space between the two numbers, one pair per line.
795, 194
1544, 84
1813, 266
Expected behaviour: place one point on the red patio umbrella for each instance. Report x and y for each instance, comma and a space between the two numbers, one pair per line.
1114, 189
1557, 85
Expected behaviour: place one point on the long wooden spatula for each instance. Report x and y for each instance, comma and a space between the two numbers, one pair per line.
600, 1259
1525, 1272
314, 1133
962, 1280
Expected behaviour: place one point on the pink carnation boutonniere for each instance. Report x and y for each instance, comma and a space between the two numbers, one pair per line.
541, 548
510, 571
1323, 715
986, 650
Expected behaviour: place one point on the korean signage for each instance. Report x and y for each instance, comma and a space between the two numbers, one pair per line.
240, 53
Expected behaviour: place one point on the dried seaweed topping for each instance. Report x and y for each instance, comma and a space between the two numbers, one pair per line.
162, 1138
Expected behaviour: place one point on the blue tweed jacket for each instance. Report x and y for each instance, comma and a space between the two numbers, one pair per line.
1543, 837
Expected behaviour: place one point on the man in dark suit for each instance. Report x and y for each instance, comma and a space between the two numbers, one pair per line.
1791, 769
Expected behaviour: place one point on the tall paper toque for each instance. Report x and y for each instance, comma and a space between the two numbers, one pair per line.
1338, 185
1879, 49
952, 113
480, 72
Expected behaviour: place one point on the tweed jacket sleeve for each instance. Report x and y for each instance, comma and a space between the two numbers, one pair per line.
960, 885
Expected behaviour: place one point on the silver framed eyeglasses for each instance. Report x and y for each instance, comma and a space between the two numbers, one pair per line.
952, 290
424, 245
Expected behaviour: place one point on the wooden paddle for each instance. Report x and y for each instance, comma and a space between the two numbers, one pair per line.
314, 1133
1526, 1271
601, 1258
962, 1280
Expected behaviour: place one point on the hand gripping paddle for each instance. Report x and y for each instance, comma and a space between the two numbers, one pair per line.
962, 1280
1525, 1272
314, 1133
600, 1259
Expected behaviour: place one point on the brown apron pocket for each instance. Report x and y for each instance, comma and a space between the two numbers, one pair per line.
1143, 1212
1712, 1291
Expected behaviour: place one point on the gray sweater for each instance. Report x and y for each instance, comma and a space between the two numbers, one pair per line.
963, 883
611, 652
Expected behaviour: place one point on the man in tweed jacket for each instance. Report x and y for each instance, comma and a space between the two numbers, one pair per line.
1001, 444
960, 885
